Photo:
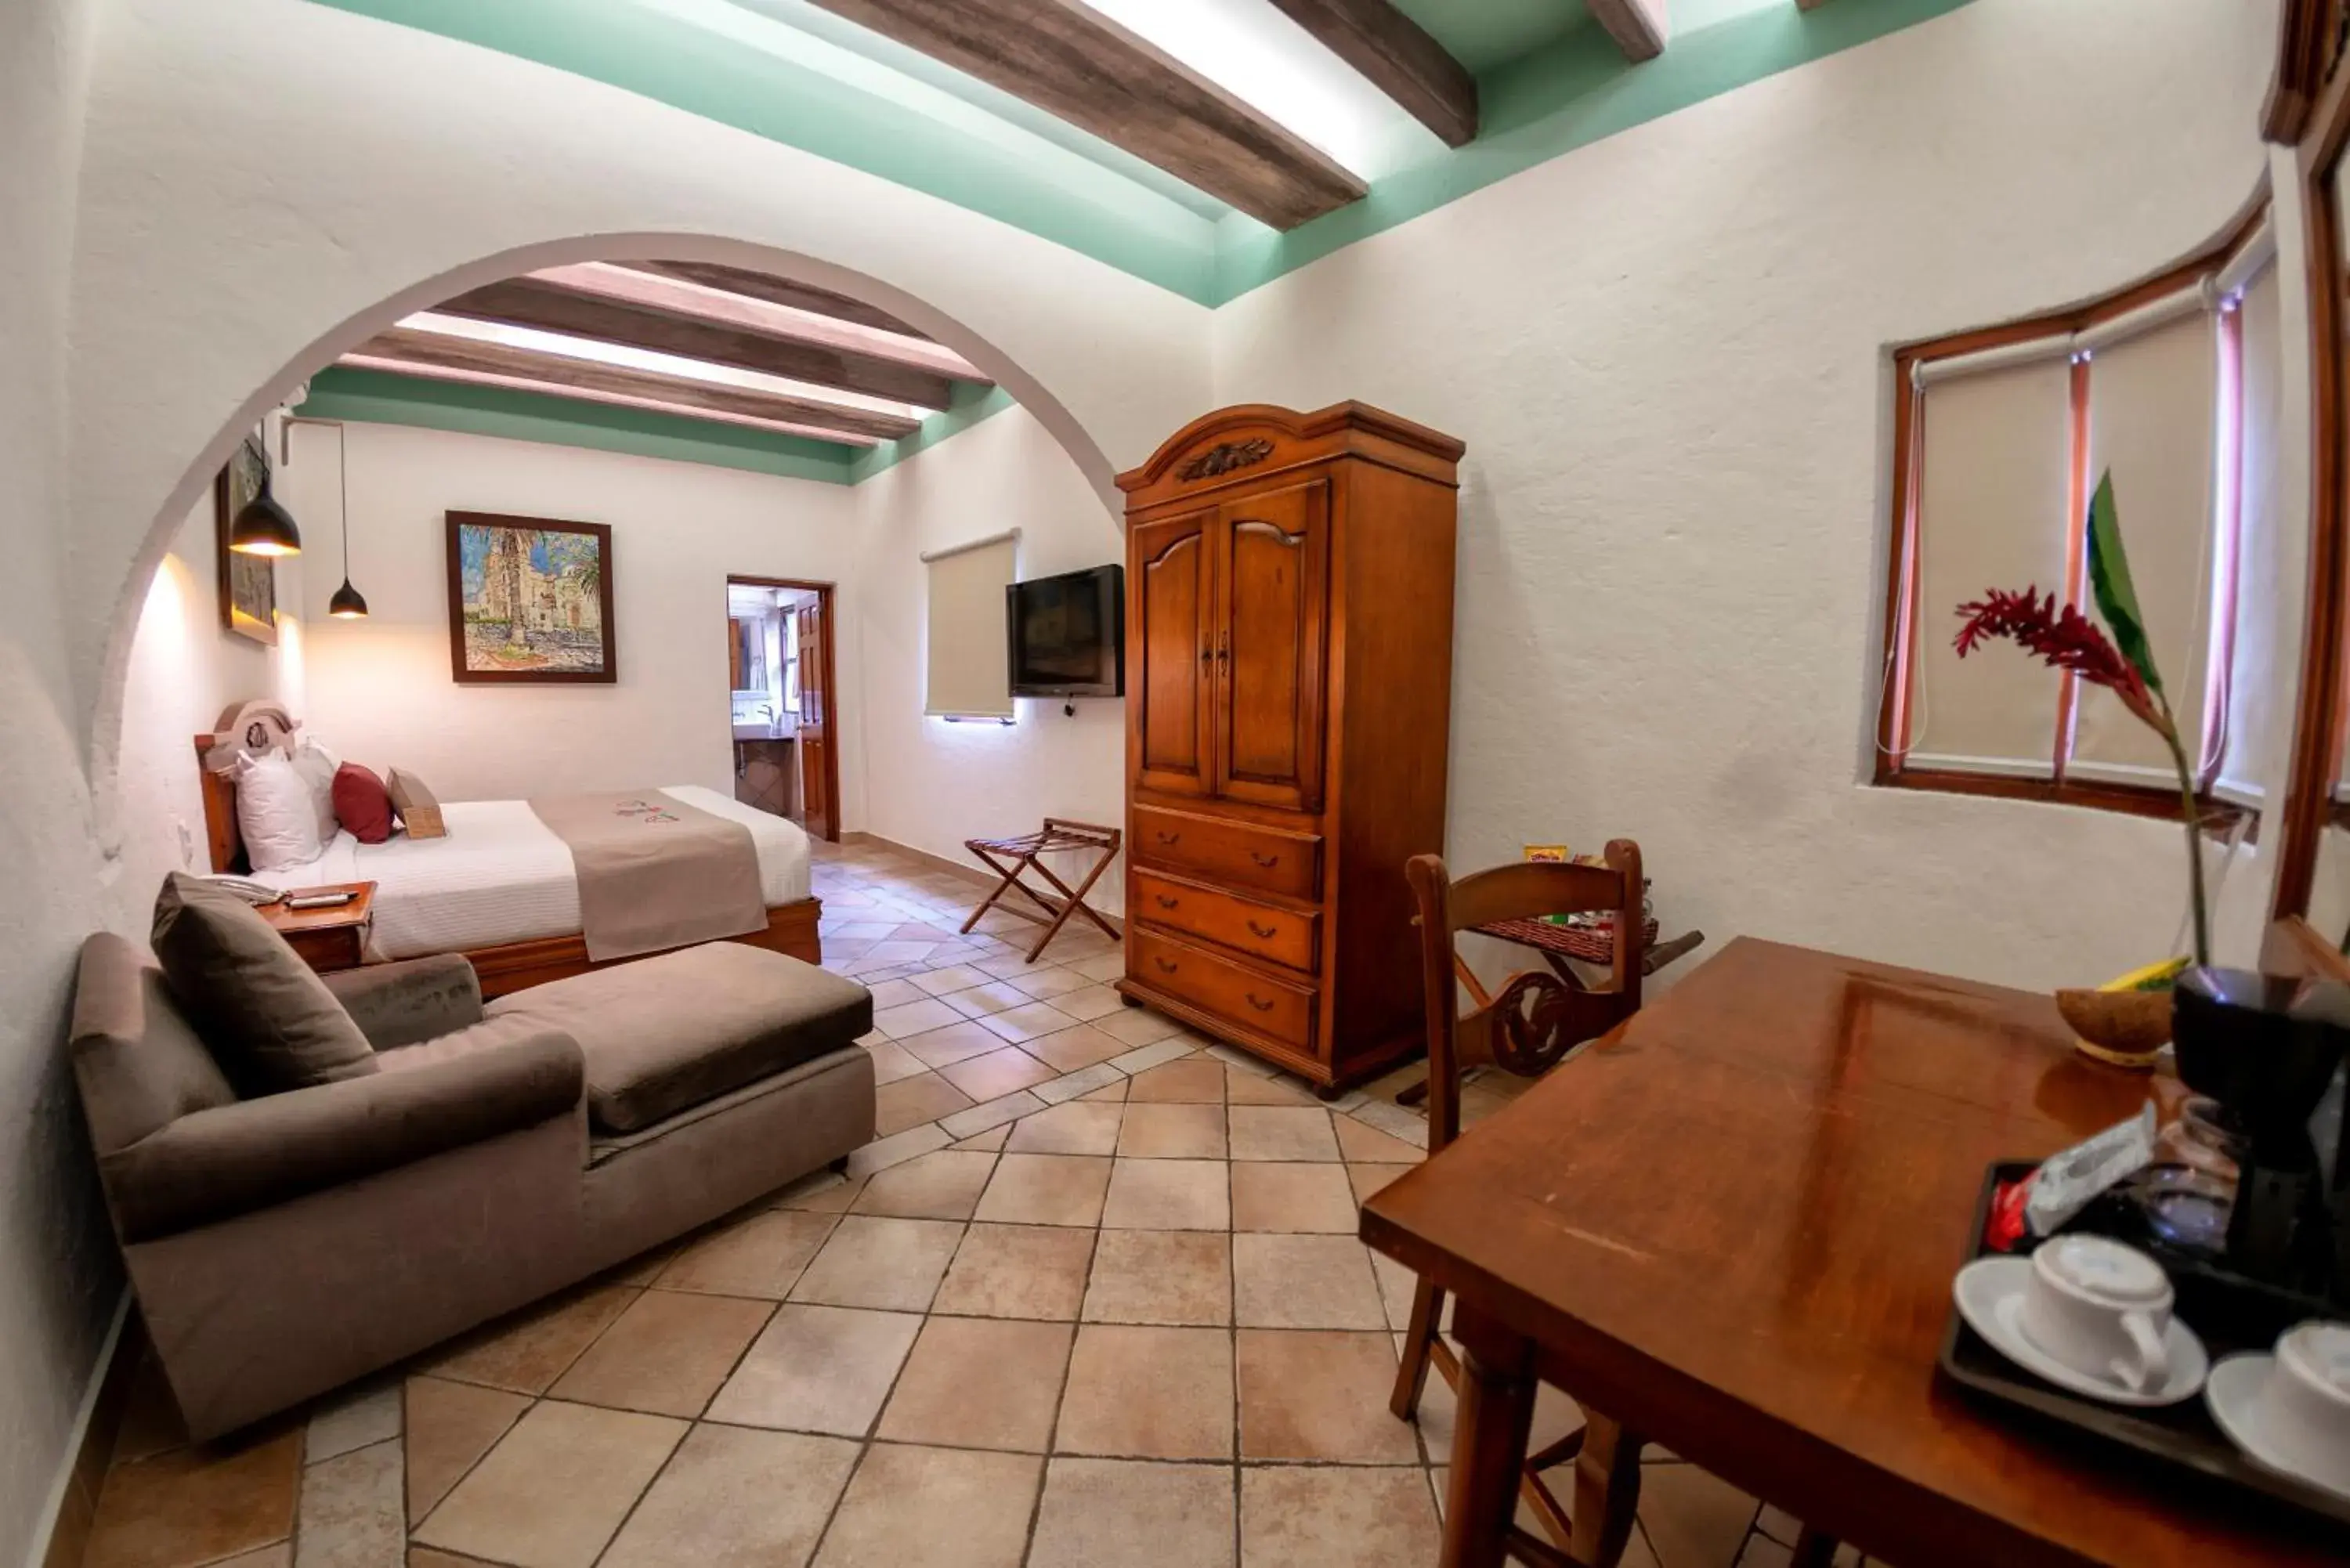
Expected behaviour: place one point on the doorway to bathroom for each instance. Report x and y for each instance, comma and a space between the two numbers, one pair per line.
782, 697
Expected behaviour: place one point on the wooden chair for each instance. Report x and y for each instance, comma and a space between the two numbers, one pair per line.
1527, 1028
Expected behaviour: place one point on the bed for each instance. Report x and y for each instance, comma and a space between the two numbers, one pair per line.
500, 887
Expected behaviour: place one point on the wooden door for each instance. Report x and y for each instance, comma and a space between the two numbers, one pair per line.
1272, 601
1169, 651
816, 737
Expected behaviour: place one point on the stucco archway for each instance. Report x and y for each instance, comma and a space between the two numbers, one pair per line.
103, 740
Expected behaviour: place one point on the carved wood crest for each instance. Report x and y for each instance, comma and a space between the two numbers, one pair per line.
1535, 1024
1226, 456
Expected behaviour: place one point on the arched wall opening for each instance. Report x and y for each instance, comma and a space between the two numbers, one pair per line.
104, 741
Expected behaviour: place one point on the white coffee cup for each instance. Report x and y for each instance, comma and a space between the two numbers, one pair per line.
2101, 1309
2304, 1410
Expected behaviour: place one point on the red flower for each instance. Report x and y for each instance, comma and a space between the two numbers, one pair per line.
2062, 639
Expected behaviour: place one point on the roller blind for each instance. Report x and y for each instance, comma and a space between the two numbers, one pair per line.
2152, 418
1994, 464
2260, 566
969, 658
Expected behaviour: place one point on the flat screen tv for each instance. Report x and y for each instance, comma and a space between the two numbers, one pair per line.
1068, 634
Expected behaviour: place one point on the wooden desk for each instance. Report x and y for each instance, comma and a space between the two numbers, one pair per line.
328, 938
1733, 1224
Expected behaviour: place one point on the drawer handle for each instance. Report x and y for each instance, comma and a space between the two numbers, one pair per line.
1260, 1006
1169, 837
1265, 931
1165, 902
1166, 966
1267, 861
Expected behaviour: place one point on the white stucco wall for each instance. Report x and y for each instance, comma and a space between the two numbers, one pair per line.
932, 784
59, 1277
1665, 352
186, 667
380, 690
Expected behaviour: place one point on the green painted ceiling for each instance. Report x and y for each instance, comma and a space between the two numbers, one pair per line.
1549, 80
1483, 34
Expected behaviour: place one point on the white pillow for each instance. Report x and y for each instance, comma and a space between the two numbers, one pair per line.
317, 766
275, 813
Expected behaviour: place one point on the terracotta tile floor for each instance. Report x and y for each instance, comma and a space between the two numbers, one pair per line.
1093, 1300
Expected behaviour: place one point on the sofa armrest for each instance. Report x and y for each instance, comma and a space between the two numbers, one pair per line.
232, 1159
397, 1004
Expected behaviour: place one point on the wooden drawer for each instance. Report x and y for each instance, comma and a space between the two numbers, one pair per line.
1284, 936
1222, 849
1277, 1009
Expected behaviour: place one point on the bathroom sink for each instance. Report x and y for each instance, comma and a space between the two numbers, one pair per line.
761, 732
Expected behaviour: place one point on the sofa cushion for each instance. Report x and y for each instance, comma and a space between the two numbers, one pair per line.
662, 1035
399, 1003
140, 1064
266, 1017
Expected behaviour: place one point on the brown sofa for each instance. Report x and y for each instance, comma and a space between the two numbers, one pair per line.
284, 1244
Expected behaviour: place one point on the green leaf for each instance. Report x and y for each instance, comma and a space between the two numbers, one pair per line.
2109, 580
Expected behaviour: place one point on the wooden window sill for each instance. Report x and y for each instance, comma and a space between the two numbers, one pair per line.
2220, 819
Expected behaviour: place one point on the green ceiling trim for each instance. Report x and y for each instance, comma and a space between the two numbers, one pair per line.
988, 166
973, 403
1570, 94
1573, 91
377, 397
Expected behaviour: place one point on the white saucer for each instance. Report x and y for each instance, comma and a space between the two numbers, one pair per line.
2232, 1394
1990, 1293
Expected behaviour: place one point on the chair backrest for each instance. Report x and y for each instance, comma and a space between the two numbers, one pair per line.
1533, 1021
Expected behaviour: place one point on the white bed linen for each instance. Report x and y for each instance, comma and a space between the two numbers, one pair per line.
503, 876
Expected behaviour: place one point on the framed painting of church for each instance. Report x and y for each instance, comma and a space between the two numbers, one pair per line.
530, 601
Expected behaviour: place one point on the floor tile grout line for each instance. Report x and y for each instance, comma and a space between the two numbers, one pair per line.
620, 1526
409, 1532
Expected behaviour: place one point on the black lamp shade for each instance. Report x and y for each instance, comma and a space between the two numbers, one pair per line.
347, 603
264, 528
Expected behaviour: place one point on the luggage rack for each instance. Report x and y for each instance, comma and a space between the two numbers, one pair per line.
1008, 858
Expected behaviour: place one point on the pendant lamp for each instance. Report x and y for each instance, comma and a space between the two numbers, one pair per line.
262, 528
347, 603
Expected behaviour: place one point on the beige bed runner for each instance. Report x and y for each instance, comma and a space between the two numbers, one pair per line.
655, 872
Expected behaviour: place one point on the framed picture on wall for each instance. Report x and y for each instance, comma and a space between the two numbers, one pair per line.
248, 584
530, 601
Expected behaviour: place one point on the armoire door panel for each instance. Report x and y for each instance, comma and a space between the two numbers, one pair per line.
1273, 609
1173, 649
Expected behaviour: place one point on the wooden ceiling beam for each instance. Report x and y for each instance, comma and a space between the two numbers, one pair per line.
549, 307
683, 296
1639, 26
779, 291
1394, 55
1082, 68
556, 372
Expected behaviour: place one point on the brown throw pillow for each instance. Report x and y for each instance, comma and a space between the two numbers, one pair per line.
362, 805
419, 813
269, 1021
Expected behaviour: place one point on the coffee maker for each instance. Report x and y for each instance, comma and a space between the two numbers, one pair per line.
2268, 1049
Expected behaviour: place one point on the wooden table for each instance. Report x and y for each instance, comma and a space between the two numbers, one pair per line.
1733, 1224
330, 938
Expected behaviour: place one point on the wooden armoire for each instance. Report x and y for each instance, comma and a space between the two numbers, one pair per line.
1288, 690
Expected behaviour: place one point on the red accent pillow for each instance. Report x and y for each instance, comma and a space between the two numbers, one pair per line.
362, 805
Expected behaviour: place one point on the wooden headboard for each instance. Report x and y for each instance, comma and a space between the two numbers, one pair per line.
246, 729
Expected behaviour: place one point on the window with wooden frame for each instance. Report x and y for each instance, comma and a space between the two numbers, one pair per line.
2172, 387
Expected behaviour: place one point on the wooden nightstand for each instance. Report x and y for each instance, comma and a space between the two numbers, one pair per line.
328, 938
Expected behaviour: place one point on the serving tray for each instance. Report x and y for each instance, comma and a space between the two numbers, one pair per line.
2182, 1435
